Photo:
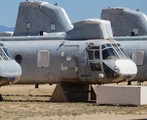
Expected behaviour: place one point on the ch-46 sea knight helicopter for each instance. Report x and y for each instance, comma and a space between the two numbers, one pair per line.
130, 30
71, 56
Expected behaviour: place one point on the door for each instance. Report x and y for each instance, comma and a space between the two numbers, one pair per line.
69, 62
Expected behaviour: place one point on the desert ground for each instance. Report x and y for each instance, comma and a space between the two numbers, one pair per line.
24, 102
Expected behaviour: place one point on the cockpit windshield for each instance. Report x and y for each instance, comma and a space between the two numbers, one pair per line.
109, 54
3, 55
8, 53
113, 51
124, 52
109, 51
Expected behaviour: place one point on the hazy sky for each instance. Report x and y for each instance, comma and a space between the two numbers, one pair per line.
76, 9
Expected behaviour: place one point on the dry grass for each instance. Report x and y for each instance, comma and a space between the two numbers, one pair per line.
27, 103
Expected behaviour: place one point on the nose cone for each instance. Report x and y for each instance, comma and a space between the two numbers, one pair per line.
10, 68
126, 67
10, 72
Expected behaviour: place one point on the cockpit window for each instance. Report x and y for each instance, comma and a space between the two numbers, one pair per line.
90, 54
3, 55
118, 50
113, 51
109, 53
95, 66
108, 45
8, 54
93, 53
97, 55
118, 45
94, 56
124, 52
103, 46
94, 47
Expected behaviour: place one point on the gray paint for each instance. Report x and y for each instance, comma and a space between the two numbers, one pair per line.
124, 20
101, 30
39, 16
68, 63
69, 50
10, 70
131, 44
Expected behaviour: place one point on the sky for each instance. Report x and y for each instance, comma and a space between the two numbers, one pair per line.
76, 9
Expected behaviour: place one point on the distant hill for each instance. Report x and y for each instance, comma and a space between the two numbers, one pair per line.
5, 28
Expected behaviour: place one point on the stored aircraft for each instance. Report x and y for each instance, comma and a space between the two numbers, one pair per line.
130, 29
74, 58
93, 61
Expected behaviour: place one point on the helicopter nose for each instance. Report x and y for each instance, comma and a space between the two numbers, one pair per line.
126, 67
10, 72
10, 69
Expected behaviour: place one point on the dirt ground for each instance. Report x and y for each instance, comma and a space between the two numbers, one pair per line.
24, 102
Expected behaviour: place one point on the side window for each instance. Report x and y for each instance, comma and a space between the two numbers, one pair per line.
97, 55
137, 57
90, 54
95, 66
18, 58
43, 58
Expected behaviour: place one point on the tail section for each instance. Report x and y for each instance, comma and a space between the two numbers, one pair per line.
36, 17
126, 22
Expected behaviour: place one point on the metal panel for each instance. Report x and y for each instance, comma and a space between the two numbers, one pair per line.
69, 62
43, 58
138, 57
